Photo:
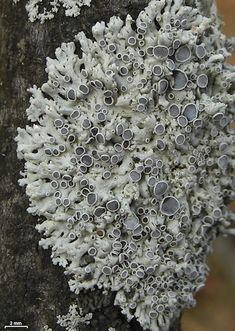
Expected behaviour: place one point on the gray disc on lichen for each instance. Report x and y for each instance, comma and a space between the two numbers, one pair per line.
169, 206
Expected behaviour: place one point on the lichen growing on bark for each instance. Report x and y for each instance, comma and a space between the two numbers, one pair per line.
130, 158
45, 10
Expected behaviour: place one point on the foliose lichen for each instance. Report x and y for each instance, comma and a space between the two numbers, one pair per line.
45, 10
46, 328
74, 319
130, 155
95, 312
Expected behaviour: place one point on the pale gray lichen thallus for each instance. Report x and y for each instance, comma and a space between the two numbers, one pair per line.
129, 157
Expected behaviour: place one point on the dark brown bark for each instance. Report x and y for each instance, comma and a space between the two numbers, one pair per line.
32, 290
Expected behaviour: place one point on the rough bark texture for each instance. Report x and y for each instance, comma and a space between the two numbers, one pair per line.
32, 290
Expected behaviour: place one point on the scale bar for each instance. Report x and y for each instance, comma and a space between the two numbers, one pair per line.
16, 326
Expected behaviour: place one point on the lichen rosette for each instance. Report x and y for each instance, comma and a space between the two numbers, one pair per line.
129, 157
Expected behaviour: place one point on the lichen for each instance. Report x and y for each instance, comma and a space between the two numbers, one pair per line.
130, 155
46, 328
86, 318
74, 319
42, 10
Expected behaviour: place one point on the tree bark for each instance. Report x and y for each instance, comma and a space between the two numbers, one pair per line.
32, 290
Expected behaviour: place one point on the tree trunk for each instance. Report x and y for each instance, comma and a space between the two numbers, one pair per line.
32, 290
